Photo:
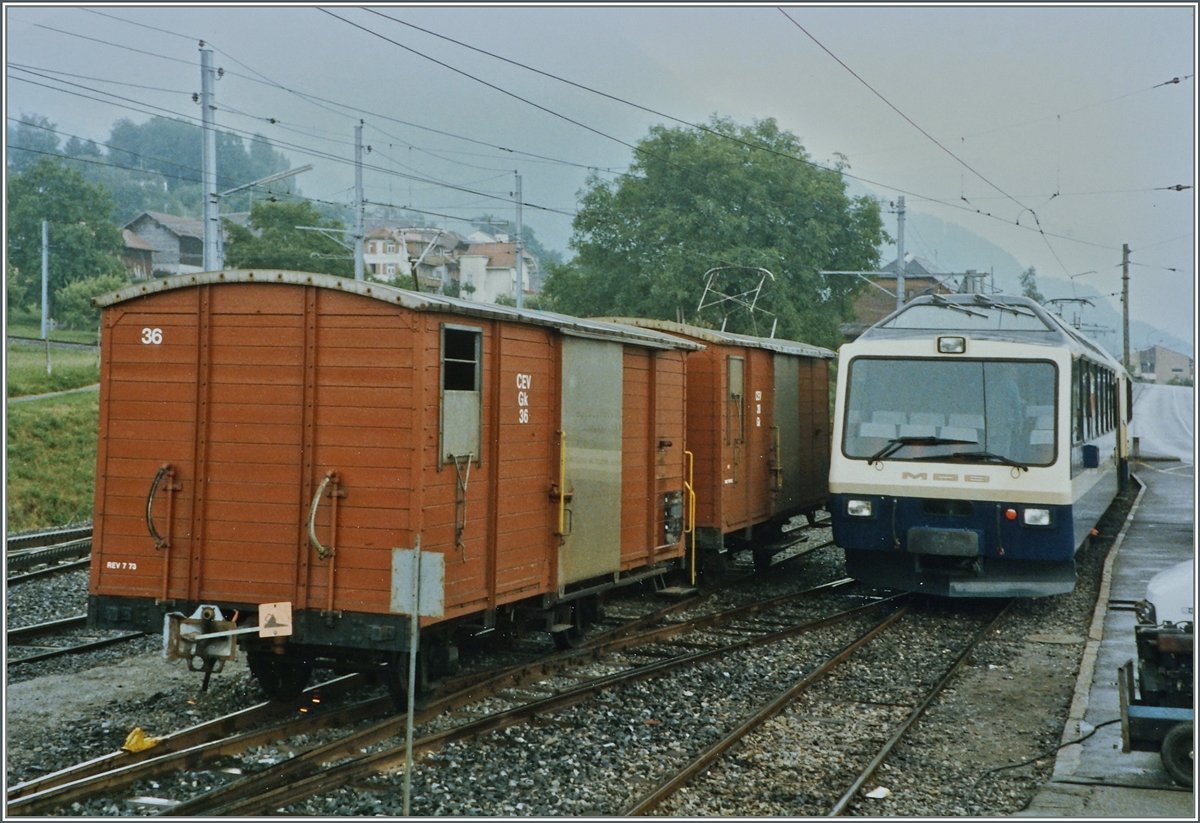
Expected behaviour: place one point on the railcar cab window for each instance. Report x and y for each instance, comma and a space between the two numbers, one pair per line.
959, 411
461, 394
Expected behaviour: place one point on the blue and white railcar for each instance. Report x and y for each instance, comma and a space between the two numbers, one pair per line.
977, 441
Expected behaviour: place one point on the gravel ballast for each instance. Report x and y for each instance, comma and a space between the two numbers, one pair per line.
599, 757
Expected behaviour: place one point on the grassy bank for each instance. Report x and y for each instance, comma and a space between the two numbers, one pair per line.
70, 369
52, 460
29, 324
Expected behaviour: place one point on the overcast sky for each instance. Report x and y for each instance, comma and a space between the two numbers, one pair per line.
1047, 131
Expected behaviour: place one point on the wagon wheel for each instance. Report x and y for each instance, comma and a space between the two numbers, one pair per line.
571, 615
395, 678
594, 609
714, 563
509, 630
762, 560
283, 677
1178, 753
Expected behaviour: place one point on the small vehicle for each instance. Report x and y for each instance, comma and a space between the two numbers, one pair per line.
1160, 716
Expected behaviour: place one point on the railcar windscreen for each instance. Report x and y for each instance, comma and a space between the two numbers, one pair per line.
955, 410
970, 317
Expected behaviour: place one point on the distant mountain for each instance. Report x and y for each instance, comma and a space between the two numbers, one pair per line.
953, 248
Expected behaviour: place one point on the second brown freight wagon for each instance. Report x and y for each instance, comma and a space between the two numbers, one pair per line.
270, 439
758, 426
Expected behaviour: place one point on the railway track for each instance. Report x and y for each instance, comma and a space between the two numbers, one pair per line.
59, 631
44, 552
370, 752
57, 568
38, 538
712, 754
67, 786
35, 788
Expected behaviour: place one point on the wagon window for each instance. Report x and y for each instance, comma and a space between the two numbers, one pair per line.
735, 429
460, 359
461, 398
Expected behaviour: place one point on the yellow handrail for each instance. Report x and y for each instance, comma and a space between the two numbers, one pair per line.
687, 484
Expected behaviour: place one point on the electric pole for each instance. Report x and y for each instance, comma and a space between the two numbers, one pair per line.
358, 203
212, 219
520, 261
899, 252
1125, 298
45, 276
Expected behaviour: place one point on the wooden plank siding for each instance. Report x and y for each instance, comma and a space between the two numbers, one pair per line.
143, 382
706, 432
527, 458
820, 430
667, 445
362, 429
637, 501
255, 352
757, 495
653, 414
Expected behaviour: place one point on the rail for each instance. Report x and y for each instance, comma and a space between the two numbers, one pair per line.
300, 777
56, 535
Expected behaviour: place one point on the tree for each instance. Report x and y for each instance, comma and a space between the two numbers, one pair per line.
725, 195
172, 149
1029, 285
84, 243
275, 241
82, 148
73, 302
30, 139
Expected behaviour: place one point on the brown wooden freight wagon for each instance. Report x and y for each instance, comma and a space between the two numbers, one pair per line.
758, 427
273, 437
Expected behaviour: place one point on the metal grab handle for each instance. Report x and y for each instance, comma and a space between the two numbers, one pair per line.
312, 516
160, 542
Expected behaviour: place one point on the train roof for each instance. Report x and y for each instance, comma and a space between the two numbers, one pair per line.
725, 338
414, 301
1003, 317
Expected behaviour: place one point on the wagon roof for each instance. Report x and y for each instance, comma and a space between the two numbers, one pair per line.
414, 301
724, 337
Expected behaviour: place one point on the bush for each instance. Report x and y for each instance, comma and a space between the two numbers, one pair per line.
73, 302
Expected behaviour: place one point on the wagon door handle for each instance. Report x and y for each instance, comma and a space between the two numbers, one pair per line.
323, 551
167, 471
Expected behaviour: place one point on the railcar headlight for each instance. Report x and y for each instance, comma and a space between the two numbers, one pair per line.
1037, 517
859, 508
952, 345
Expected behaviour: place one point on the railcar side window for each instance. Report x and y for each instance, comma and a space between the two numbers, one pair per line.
461, 394
1094, 401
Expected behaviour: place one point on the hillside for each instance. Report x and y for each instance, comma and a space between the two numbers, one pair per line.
953, 248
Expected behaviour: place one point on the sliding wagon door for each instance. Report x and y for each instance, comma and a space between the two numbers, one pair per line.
592, 388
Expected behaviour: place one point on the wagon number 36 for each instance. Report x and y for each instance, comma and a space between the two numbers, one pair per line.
524, 383
151, 337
